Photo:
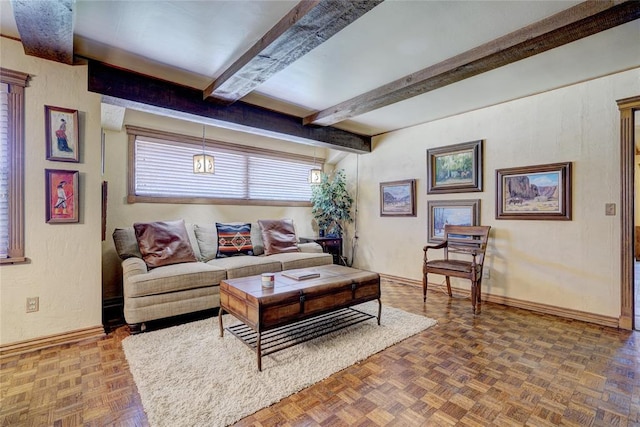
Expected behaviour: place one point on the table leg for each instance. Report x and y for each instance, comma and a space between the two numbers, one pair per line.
259, 352
220, 311
379, 310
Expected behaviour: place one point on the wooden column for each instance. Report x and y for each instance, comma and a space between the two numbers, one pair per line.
627, 109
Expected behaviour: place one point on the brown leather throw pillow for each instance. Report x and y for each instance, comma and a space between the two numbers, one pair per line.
278, 235
164, 243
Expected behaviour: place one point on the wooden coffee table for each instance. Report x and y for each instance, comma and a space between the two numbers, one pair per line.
295, 311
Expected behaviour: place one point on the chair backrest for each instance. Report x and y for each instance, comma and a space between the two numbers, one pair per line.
464, 239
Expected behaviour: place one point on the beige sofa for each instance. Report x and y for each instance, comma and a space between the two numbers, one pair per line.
186, 287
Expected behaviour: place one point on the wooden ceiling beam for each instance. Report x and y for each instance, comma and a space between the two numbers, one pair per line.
46, 28
575, 23
305, 27
127, 89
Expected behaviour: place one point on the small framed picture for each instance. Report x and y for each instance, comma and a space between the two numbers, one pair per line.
61, 189
455, 168
534, 192
398, 198
61, 129
452, 212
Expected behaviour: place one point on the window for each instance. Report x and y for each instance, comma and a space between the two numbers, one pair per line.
12, 84
163, 172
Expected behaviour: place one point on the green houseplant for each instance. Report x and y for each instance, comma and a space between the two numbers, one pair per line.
331, 203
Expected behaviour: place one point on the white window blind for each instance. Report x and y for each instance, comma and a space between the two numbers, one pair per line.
4, 170
165, 169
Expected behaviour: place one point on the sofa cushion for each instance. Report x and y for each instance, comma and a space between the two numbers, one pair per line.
294, 260
207, 238
173, 278
164, 243
126, 243
256, 239
243, 266
193, 241
278, 235
234, 239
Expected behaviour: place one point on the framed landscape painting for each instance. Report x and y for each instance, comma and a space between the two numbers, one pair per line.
61, 126
61, 188
534, 192
455, 168
398, 198
452, 212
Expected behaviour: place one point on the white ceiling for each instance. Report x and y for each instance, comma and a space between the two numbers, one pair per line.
192, 42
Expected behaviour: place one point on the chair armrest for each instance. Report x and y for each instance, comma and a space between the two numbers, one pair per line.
439, 246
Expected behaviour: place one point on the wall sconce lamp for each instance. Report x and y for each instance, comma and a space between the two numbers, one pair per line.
315, 176
203, 163
315, 173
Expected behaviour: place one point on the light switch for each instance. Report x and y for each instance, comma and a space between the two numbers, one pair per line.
609, 209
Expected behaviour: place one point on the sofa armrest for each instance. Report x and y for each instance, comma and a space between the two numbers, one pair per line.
310, 247
133, 267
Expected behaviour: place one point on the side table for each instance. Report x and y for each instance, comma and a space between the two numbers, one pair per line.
330, 245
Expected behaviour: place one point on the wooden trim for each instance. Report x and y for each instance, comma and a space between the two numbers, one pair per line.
14, 77
556, 311
17, 82
309, 24
131, 198
40, 343
136, 91
627, 109
574, 23
513, 302
14, 260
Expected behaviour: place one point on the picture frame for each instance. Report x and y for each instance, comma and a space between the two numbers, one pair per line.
398, 198
540, 192
61, 130
61, 189
455, 168
454, 212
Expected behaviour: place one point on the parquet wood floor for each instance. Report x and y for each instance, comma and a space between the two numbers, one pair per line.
504, 367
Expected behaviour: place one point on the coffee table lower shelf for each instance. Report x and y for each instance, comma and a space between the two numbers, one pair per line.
283, 337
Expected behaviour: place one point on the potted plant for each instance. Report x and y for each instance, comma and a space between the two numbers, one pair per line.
331, 204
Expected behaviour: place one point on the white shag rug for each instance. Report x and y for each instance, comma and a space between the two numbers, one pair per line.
188, 376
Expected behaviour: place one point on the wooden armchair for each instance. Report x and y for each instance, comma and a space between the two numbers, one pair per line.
469, 241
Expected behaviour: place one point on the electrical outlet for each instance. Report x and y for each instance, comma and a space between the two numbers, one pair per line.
33, 304
609, 209
486, 273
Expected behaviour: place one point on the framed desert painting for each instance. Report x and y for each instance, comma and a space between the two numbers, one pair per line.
398, 198
61, 129
455, 168
452, 212
61, 188
534, 192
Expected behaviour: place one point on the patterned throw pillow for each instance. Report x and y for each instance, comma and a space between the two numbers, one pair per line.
234, 239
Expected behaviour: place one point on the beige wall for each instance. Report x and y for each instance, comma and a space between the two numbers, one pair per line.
64, 268
571, 264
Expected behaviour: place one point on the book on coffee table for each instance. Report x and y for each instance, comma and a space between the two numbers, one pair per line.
300, 275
